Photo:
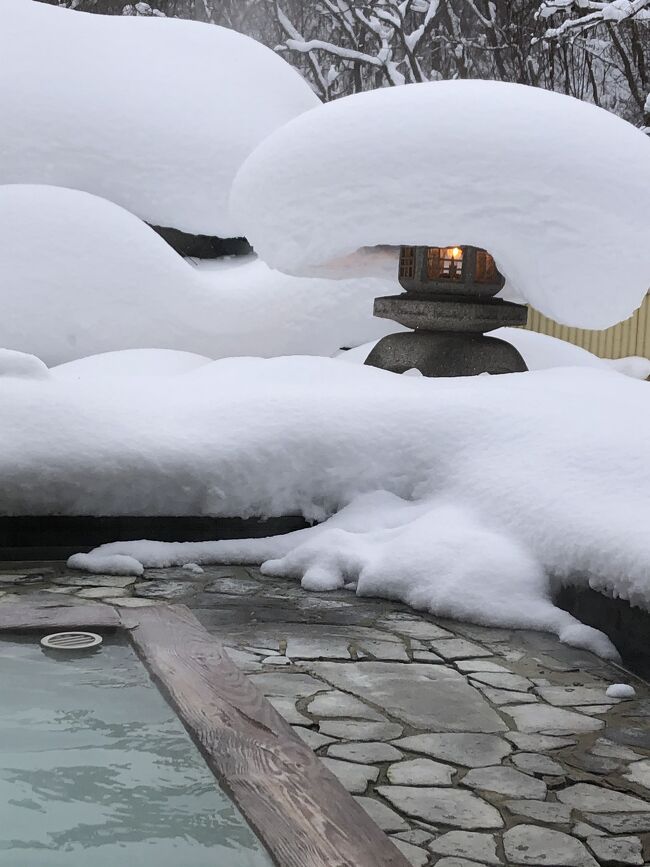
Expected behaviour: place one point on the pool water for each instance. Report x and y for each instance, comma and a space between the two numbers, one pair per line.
97, 770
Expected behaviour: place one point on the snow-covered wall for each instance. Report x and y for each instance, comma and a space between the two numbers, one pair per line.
555, 188
155, 114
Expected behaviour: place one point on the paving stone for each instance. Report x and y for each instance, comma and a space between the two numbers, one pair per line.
414, 854
501, 697
571, 696
470, 665
530, 844
639, 773
417, 836
505, 781
459, 648
354, 777
232, 586
366, 752
130, 602
470, 750
452, 807
511, 682
595, 799
100, 592
426, 656
456, 862
537, 763
551, 720
538, 743
244, 660
621, 823
604, 747
540, 811
412, 627
276, 660
292, 685
164, 589
420, 772
340, 704
616, 851
467, 844
336, 642
387, 819
24, 578
583, 830
94, 580
358, 730
312, 738
596, 710
286, 707
426, 696
593, 764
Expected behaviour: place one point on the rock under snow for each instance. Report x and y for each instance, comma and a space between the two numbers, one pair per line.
507, 167
156, 114
82, 276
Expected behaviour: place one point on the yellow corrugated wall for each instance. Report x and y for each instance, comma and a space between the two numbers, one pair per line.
631, 337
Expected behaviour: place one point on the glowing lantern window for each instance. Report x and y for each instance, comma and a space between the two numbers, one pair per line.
486, 269
444, 263
407, 263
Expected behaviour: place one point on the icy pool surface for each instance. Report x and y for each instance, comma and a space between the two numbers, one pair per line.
96, 769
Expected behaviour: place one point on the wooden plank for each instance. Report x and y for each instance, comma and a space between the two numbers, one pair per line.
19, 616
297, 807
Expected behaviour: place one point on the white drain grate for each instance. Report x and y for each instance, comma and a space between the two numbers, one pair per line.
71, 640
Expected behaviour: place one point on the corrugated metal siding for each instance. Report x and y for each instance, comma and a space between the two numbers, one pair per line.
631, 337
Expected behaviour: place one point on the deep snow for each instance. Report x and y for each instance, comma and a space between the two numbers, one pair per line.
464, 497
81, 276
555, 188
156, 114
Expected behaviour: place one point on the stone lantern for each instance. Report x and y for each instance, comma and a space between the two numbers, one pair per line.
450, 305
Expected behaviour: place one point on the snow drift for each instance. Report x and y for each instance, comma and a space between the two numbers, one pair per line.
465, 497
156, 114
556, 189
82, 276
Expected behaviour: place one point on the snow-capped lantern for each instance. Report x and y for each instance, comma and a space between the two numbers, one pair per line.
450, 304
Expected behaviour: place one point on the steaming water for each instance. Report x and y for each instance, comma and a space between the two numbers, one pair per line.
97, 770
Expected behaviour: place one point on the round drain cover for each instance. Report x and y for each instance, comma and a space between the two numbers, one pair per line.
71, 640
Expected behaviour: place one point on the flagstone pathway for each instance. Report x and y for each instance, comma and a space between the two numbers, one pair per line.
467, 745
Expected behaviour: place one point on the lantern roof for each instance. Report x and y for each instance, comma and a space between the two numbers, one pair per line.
554, 188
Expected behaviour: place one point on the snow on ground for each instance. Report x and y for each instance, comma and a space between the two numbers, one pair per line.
633, 365
82, 276
507, 167
130, 362
465, 497
156, 114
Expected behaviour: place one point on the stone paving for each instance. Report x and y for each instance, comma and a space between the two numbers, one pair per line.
467, 745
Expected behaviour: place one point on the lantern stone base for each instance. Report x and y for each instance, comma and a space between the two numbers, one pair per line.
446, 353
432, 312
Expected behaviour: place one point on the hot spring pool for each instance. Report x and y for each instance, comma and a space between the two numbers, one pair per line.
97, 770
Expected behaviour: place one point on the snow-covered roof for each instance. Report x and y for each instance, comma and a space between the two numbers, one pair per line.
156, 114
555, 188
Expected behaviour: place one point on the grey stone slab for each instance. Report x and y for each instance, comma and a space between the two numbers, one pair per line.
354, 777
511, 682
595, 710
505, 781
164, 589
540, 811
100, 592
621, 823
231, 585
358, 730
470, 750
248, 662
313, 739
451, 807
286, 707
340, 704
551, 720
418, 837
293, 685
387, 819
420, 772
639, 773
411, 627
94, 580
539, 743
538, 763
427, 696
596, 799
532, 845
593, 764
610, 750
131, 602
456, 862
26, 578
467, 844
426, 656
473, 665
616, 851
583, 830
365, 752
459, 648
415, 855
502, 697
573, 696
276, 660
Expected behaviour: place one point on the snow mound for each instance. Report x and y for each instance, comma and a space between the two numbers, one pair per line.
470, 497
131, 362
113, 564
632, 365
507, 167
19, 364
82, 276
156, 114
